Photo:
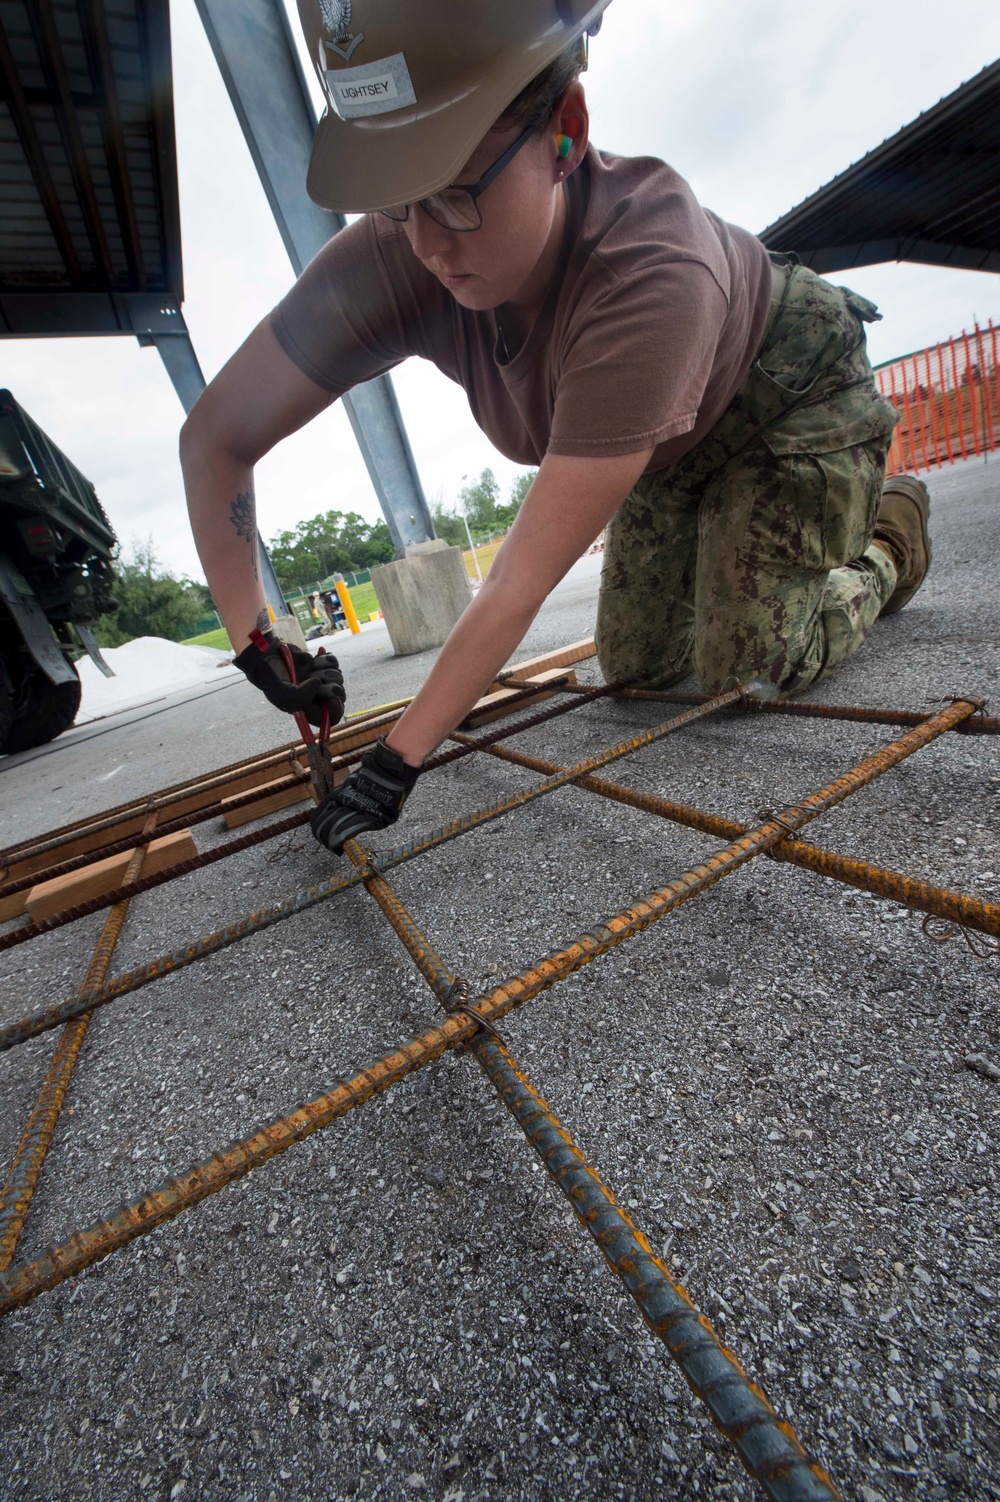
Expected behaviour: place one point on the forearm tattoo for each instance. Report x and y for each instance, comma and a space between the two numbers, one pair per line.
243, 515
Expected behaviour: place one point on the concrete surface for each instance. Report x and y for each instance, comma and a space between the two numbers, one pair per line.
771, 1080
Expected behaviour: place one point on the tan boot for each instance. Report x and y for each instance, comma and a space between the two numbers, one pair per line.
901, 532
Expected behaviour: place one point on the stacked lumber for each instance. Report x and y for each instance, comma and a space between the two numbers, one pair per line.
279, 777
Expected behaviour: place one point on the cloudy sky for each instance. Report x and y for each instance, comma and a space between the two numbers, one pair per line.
757, 102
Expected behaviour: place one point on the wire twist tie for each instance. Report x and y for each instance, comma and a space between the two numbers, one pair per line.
458, 998
941, 930
771, 816
978, 705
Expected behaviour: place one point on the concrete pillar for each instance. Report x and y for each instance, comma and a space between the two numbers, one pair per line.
287, 628
422, 595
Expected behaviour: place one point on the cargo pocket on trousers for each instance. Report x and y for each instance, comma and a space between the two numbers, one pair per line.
816, 483
826, 513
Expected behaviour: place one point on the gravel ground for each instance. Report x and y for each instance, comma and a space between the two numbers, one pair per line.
771, 1079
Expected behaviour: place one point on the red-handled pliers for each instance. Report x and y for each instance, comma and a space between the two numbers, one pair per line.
317, 750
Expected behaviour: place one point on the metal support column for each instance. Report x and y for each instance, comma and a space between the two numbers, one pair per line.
181, 362
178, 356
255, 51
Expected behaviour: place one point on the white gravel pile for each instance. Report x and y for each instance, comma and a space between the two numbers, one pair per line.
146, 669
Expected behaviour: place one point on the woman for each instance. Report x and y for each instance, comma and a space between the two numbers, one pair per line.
709, 404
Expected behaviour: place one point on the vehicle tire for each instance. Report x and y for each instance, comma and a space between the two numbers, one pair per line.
41, 710
6, 711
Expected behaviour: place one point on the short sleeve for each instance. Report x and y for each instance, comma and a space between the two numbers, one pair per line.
341, 323
635, 364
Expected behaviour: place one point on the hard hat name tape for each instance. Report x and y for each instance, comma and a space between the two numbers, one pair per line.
386, 85
370, 89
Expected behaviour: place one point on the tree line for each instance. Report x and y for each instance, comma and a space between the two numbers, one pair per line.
335, 542
152, 601
481, 506
338, 542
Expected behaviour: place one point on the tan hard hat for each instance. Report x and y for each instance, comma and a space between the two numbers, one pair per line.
412, 86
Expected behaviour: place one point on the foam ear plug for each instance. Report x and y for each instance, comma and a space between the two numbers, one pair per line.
564, 145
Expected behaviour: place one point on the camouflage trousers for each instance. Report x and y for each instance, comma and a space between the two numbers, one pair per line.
750, 557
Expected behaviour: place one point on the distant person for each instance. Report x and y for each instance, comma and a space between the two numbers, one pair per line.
710, 404
319, 609
334, 610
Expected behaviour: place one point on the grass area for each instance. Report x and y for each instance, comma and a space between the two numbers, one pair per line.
486, 554
364, 601
362, 598
218, 639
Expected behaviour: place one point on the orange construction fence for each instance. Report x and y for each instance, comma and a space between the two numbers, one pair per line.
948, 398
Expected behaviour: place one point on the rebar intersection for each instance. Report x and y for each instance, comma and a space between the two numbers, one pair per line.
765, 1445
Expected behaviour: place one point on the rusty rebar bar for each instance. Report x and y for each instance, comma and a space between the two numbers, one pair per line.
128, 812
131, 889
28, 1027
524, 689
24, 1282
427, 961
133, 841
765, 1444
955, 907
982, 724
21, 1284
220, 852
525, 685
36, 1139
137, 808
581, 698
739, 1408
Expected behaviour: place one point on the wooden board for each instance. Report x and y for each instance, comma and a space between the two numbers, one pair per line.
241, 782
13, 907
79, 846
507, 701
235, 818
54, 896
566, 657
364, 735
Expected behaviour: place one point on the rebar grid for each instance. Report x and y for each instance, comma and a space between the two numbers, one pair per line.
257, 837
923, 896
767, 1446
785, 1471
27, 1027
29, 1158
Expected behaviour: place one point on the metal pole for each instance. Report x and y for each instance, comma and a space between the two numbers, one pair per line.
472, 545
255, 50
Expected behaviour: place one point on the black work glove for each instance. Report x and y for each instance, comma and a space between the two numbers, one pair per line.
319, 681
371, 798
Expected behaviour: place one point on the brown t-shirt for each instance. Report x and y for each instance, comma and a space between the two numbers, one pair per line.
646, 335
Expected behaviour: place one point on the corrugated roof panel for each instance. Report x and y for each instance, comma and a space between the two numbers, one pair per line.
88, 191
931, 193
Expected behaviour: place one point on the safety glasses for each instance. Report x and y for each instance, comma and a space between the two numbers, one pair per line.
456, 208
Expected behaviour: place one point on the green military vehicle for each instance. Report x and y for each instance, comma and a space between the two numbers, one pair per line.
56, 578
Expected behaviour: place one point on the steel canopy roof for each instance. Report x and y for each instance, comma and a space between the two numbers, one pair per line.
89, 215
930, 193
